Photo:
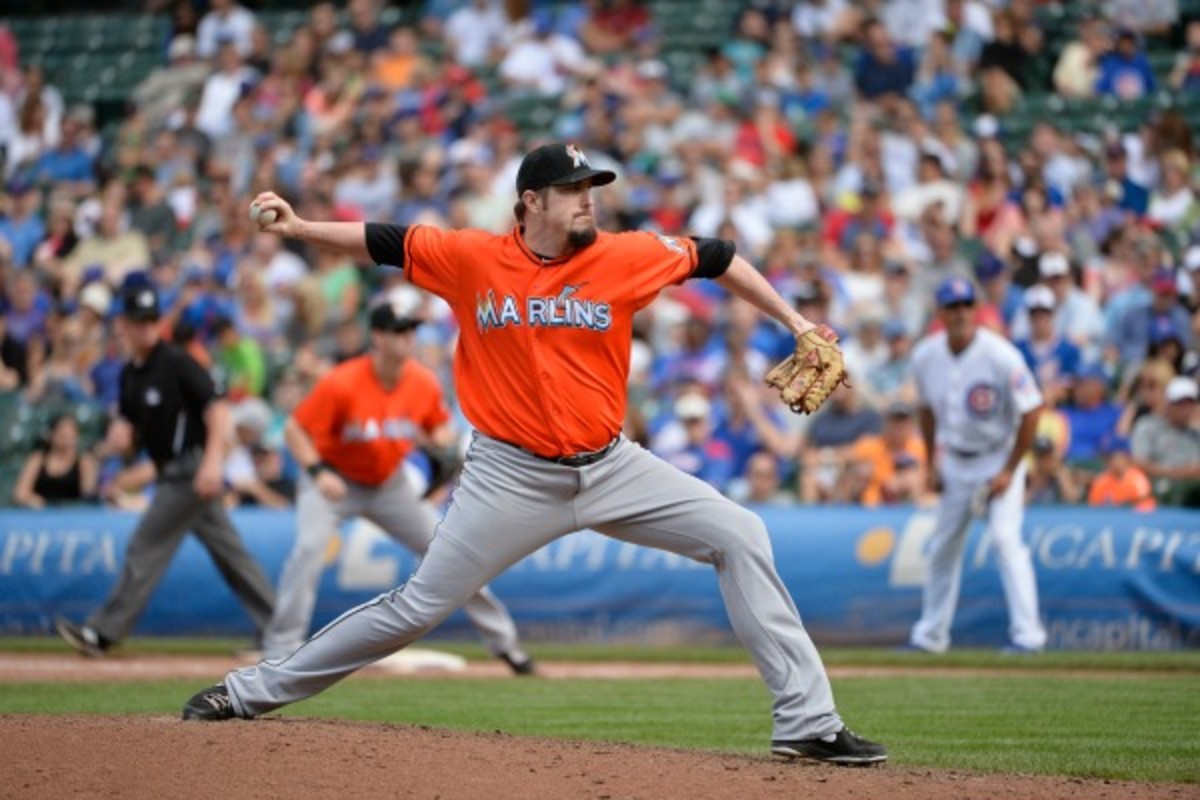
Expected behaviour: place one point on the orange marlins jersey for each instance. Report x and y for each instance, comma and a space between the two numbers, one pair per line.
364, 430
543, 349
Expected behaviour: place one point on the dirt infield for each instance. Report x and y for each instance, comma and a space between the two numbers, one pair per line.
134, 757
288, 758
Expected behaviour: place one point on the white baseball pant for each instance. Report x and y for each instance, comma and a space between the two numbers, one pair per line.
508, 504
943, 579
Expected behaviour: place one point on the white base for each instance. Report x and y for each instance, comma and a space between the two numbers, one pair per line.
414, 659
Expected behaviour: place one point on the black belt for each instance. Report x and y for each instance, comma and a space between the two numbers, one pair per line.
967, 453
580, 459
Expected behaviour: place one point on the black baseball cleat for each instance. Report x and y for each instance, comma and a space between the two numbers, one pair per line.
83, 638
520, 664
844, 748
210, 705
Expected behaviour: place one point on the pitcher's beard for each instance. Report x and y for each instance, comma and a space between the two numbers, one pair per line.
577, 240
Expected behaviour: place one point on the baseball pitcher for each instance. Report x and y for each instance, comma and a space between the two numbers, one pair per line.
545, 314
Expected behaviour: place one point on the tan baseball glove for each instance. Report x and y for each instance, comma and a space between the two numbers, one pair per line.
807, 377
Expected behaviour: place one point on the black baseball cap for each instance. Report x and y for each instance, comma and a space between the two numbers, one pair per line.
388, 316
558, 164
139, 303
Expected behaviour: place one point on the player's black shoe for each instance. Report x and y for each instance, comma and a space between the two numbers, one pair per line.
210, 705
845, 748
83, 638
519, 664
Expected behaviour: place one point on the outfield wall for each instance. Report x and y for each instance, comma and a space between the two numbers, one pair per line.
1109, 580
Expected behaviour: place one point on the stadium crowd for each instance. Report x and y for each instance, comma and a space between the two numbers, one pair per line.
859, 153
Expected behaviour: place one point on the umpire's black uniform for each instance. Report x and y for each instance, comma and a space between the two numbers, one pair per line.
165, 397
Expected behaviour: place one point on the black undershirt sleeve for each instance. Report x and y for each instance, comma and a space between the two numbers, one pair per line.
385, 243
713, 257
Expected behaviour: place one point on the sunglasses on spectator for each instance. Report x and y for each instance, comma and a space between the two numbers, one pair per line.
956, 306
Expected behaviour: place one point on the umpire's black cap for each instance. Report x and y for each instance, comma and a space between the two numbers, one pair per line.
557, 165
139, 303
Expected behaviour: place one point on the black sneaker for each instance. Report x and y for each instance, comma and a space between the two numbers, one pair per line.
83, 638
519, 664
210, 705
844, 747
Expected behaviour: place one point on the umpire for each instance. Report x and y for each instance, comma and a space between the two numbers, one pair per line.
170, 407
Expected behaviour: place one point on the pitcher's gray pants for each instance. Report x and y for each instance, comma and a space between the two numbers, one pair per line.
507, 505
175, 509
394, 507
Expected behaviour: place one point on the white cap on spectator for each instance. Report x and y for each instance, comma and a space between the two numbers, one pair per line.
986, 126
341, 42
468, 151
1040, 297
253, 413
652, 70
1051, 265
692, 406
97, 297
182, 46
1180, 388
1191, 257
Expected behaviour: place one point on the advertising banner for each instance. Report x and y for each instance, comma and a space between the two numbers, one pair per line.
1108, 580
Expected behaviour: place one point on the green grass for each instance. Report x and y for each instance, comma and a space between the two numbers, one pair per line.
1096, 726
1182, 661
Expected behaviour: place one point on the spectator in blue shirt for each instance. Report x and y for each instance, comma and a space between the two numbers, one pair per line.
698, 453
883, 68
69, 164
1125, 72
1051, 357
1131, 196
22, 226
1092, 415
995, 278
1133, 331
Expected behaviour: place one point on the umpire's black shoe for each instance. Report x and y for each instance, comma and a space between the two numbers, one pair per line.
519, 664
84, 639
844, 747
209, 705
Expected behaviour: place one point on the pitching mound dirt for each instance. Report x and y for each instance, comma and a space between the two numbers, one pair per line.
287, 758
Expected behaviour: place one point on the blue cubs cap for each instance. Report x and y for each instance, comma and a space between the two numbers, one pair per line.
990, 266
955, 290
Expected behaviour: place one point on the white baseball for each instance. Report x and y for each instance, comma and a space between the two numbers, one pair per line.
263, 216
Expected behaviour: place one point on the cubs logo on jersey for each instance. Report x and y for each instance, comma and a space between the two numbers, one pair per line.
563, 310
983, 401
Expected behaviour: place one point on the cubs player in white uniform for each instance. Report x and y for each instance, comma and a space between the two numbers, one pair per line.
980, 405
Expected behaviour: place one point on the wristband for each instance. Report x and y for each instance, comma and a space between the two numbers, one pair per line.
315, 468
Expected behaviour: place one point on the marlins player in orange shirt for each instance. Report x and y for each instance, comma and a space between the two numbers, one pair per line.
546, 322
352, 434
